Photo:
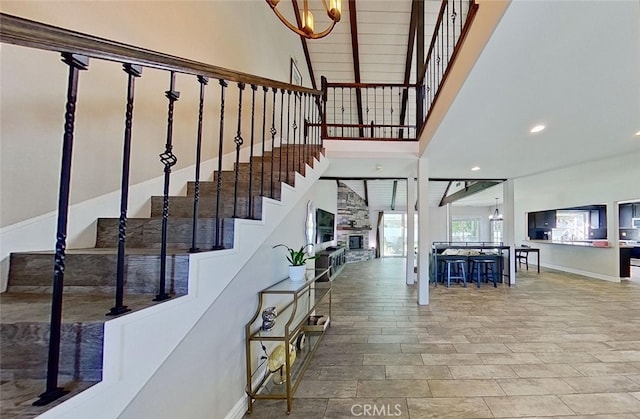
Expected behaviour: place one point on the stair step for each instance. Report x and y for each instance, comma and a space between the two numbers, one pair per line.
93, 271
147, 232
210, 188
182, 207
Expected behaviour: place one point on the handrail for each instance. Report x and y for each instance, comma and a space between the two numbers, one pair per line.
28, 33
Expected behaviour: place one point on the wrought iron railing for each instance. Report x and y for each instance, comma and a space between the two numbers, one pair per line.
398, 111
278, 115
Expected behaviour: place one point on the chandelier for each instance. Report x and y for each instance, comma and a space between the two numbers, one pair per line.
306, 28
496, 216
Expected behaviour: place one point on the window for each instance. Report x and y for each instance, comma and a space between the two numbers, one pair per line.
465, 230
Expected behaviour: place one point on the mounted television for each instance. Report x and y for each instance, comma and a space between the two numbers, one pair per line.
325, 222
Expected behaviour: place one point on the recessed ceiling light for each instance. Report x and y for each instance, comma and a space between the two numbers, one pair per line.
537, 128
637, 134
475, 168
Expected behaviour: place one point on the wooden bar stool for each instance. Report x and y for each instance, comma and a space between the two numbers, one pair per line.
454, 266
483, 266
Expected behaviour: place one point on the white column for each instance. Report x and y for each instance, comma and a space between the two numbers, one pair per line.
508, 226
424, 244
411, 202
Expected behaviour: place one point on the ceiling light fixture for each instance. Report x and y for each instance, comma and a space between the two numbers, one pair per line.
475, 168
306, 28
496, 216
637, 134
537, 128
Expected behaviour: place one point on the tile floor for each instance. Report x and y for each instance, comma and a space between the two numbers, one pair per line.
555, 345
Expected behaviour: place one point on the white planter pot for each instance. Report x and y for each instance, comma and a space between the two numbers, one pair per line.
297, 273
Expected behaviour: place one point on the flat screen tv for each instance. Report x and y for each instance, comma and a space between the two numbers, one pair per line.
325, 222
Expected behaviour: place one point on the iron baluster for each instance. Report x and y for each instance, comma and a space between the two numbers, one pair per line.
52, 391
196, 187
281, 131
253, 120
273, 137
288, 128
265, 90
168, 159
295, 127
218, 238
133, 71
239, 141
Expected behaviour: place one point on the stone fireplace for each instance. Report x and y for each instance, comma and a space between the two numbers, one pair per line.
356, 242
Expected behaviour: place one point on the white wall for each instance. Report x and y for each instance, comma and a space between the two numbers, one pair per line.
600, 182
34, 84
205, 375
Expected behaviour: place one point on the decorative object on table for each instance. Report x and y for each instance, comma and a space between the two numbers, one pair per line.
277, 362
301, 341
269, 318
310, 227
297, 260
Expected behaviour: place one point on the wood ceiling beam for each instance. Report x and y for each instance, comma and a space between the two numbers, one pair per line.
444, 195
366, 192
393, 195
407, 63
468, 191
305, 48
355, 50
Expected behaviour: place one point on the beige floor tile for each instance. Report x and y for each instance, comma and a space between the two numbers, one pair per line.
465, 388
601, 403
431, 348
618, 356
545, 370
393, 388
372, 348
492, 339
481, 348
520, 406
636, 394
454, 408
450, 359
417, 372
367, 407
349, 372
585, 346
602, 384
392, 339
565, 357
392, 359
336, 389
534, 386
442, 339
300, 409
606, 368
481, 371
534, 347
510, 358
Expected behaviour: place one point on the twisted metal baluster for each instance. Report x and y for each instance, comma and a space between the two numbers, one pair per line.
168, 159
273, 137
288, 128
133, 71
218, 238
196, 193
253, 120
239, 141
265, 90
281, 132
52, 391
295, 128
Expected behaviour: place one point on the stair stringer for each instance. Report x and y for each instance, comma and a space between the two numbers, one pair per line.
137, 344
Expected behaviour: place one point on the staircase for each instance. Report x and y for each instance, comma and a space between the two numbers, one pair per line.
90, 276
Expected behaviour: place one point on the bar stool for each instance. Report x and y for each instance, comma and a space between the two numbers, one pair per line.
457, 265
483, 266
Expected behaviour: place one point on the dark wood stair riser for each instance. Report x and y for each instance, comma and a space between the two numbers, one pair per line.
25, 346
147, 233
182, 206
96, 273
209, 189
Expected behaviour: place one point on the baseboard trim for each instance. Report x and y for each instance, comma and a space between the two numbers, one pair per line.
239, 409
583, 273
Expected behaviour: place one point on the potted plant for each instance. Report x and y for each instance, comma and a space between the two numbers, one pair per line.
297, 261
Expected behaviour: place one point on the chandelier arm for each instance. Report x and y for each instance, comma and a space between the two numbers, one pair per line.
298, 30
